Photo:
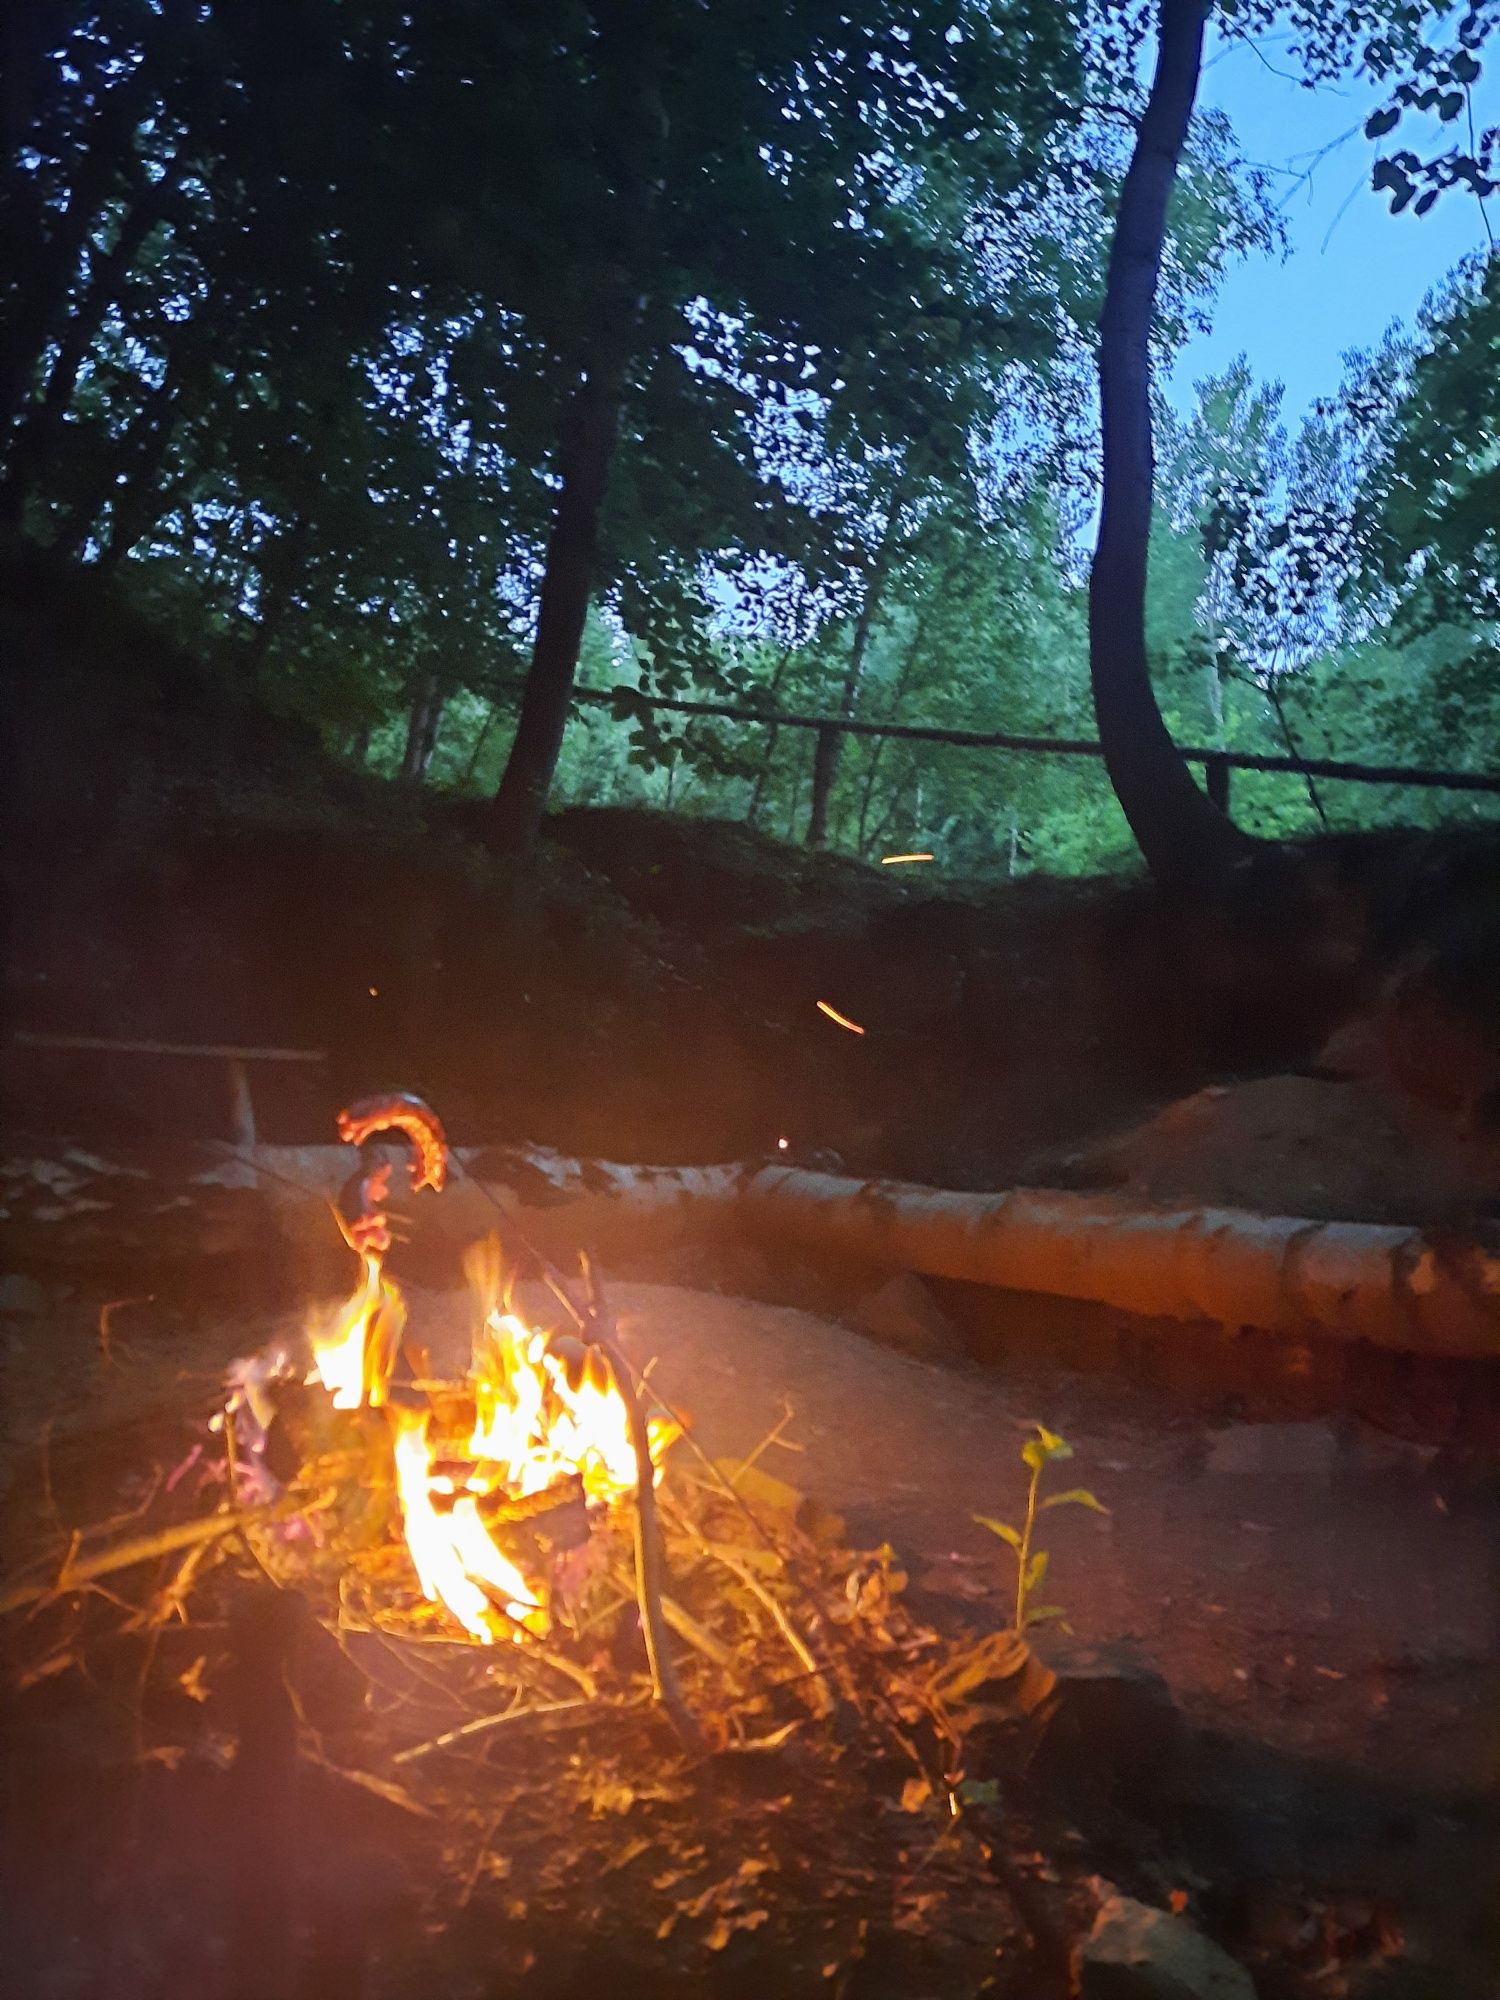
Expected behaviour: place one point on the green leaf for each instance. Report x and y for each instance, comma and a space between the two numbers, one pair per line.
1003, 1529
1036, 1569
1052, 1444
1380, 122
979, 1792
1034, 1453
1042, 1614
1076, 1496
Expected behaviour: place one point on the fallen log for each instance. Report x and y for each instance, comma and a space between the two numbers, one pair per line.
1389, 1285
1393, 1286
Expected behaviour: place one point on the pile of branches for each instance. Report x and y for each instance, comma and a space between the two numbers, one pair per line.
300, 1770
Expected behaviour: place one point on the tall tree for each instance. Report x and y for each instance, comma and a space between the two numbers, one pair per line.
1181, 834
633, 131
1179, 830
789, 222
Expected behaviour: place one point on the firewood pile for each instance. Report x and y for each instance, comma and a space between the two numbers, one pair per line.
385, 1672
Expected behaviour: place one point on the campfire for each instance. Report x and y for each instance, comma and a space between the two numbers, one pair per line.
539, 1419
557, 1608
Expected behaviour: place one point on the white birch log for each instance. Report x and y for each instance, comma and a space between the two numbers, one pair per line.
1386, 1284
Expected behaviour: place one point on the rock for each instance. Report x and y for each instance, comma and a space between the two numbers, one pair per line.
1363, 1448
1276, 1451
903, 1313
1320, 1450
1116, 1733
22, 1296
1137, 1953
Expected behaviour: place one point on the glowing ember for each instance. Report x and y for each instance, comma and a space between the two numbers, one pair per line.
839, 1020
902, 860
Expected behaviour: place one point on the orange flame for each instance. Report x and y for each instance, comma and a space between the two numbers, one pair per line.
453, 1553
541, 1417
353, 1353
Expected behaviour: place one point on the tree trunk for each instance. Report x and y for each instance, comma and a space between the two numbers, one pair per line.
877, 748
486, 730
763, 775
51, 255
423, 723
1182, 835
590, 427
830, 742
588, 433
277, 564
126, 484
1393, 1285
35, 439
893, 806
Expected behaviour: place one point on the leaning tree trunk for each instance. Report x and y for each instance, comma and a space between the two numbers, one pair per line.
590, 426
1181, 833
830, 742
35, 441
589, 430
763, 775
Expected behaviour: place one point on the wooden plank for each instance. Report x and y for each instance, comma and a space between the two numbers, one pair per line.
226, 1052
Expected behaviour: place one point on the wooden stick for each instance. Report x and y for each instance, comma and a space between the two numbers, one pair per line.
802, 1652
687, 1627
650, 1563
223, 1051
483, 1723
125, 1555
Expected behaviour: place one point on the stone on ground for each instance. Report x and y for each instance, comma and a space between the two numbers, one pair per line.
1116, 1733
903, 1313
1137, 1953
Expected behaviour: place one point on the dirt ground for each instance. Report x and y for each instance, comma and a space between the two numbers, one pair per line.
1322, 1603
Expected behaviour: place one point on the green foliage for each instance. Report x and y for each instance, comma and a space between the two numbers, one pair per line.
1046, 1448
294, 299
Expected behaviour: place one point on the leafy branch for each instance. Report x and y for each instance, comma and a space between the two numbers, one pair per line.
1045, 1449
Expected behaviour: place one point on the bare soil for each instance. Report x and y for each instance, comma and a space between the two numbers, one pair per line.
1324, 1612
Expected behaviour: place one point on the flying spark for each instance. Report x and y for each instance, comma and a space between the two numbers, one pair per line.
839, 1020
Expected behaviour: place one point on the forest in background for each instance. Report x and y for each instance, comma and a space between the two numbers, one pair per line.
301, 335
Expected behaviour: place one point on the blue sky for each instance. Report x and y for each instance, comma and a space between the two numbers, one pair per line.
1351, 269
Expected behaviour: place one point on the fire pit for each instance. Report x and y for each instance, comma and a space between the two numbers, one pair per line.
516, 1630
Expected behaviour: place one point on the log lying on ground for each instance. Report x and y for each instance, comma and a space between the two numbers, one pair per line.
1347, 1281
1391, 1286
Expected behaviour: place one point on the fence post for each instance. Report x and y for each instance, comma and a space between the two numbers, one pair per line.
1216, 771
825, 764
241, 1106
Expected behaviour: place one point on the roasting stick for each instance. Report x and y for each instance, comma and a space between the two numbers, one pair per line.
595, 1326
650, 1561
